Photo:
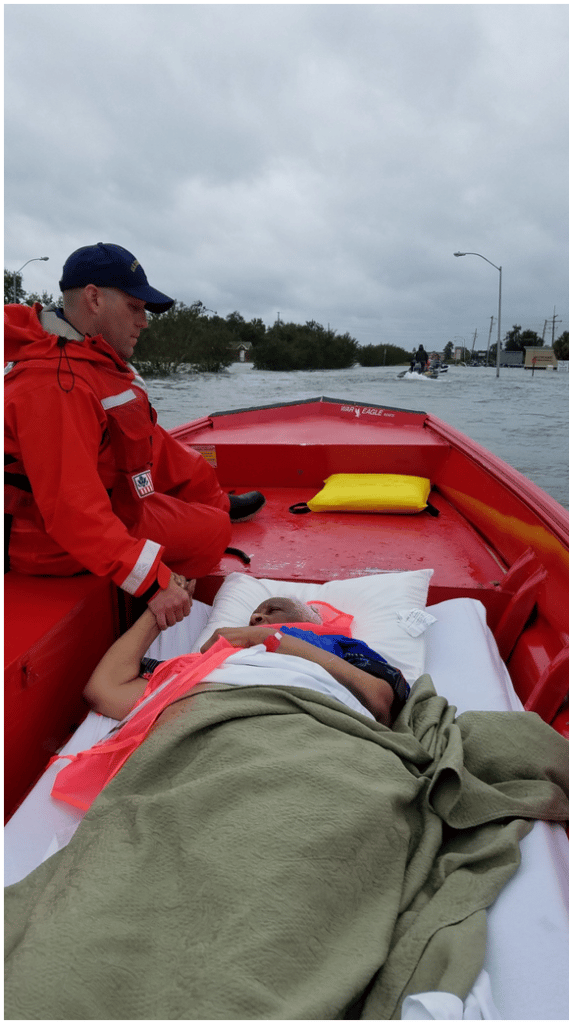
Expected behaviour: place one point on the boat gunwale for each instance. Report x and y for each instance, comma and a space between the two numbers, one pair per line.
318, 399
539, 502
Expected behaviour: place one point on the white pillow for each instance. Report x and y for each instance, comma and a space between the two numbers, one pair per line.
373, 601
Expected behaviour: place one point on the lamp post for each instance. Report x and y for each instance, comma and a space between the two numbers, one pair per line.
21, 268
499, 269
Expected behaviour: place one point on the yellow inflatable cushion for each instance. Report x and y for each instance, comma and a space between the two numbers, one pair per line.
372, 492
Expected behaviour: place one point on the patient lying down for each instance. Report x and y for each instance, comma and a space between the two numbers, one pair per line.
117, 683
354, 675
273, 855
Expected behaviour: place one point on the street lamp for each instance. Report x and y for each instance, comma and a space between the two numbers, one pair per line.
499, 269
20, 270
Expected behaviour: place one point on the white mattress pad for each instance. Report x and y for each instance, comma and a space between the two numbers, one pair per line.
527, 959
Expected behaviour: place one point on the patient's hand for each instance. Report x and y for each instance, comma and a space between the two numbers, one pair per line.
239, 636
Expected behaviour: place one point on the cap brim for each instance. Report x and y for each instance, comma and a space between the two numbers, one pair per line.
155, 301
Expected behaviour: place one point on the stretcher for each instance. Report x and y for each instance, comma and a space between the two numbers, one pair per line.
525, 972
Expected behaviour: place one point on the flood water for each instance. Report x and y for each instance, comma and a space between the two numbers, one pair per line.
522, 418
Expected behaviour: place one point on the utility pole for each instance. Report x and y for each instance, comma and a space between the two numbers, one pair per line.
473, 343
489, 336
543, 335
553, 326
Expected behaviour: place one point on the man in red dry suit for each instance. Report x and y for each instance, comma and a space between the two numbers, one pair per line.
92, 481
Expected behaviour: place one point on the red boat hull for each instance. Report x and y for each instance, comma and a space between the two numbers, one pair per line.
497, 538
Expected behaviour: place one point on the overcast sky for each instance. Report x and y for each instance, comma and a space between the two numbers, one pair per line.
321, 162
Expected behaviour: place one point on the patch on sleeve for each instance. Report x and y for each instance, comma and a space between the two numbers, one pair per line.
143, 484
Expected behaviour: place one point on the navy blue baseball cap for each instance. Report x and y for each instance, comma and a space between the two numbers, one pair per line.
111, 266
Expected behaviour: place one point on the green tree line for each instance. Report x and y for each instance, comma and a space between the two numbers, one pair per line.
187, 335
196, 336
382, 355
561, 346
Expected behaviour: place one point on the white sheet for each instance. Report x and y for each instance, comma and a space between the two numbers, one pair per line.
527, 960
478, 1005
41, 826
249, 668
527, 952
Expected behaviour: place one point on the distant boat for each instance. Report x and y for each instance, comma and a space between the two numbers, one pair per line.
415, 375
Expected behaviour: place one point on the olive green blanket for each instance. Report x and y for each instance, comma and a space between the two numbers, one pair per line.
269, 855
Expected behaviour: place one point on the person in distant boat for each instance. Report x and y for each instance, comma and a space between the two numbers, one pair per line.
422, 358
92, 481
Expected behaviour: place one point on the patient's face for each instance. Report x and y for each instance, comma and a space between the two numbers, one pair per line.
280, 609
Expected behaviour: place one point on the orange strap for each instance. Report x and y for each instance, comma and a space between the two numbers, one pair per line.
333, 621
79, 782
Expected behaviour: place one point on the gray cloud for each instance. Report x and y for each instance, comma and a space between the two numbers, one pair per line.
320, 161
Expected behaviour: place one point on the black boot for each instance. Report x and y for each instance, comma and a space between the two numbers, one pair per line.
245, 506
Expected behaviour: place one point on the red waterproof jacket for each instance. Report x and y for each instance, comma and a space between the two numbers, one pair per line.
104, 487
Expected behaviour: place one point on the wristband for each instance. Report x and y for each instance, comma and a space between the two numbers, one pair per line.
152, 590
272, 642
162, 582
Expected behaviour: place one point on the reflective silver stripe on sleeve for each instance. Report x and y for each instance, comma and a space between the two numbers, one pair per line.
122, 399
144, 563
